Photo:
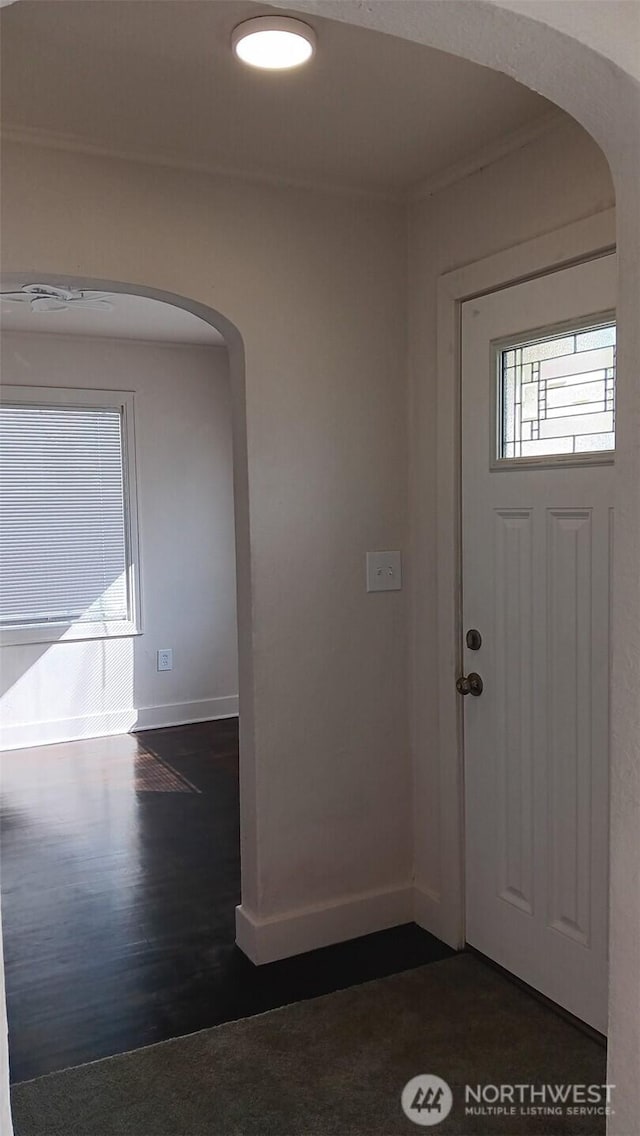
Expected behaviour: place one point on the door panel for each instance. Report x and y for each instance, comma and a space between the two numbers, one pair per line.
514, 673
536, 584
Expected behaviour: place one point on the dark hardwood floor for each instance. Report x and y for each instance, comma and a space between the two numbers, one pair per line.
118, 898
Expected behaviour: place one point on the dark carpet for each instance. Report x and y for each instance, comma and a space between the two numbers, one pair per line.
331, 1066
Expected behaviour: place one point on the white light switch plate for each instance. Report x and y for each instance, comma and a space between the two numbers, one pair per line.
384, 571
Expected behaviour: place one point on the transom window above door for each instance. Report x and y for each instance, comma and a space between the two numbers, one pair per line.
556, 395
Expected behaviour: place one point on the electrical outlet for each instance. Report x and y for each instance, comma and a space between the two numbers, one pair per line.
165, 659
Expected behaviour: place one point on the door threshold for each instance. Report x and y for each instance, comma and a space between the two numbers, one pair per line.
584, 1027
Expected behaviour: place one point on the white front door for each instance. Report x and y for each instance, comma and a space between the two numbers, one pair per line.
538, 427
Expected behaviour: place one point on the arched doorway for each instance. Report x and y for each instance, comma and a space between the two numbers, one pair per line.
100, 683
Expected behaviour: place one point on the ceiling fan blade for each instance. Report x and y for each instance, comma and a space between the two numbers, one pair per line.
91, 305
48, 291
44, 304
15, 297
92, 295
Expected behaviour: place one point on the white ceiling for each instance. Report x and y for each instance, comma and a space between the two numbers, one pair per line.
132, 317
371, 112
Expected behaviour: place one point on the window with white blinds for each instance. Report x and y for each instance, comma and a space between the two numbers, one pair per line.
65, 549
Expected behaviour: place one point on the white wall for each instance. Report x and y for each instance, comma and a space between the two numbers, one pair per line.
316, 286
559, 178
326, 407
51, 692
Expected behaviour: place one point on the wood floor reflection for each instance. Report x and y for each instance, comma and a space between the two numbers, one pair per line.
120, 877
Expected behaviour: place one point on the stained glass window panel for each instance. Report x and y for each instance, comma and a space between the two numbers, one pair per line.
557, 395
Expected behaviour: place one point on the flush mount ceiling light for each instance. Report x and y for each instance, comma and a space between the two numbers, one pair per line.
274, 43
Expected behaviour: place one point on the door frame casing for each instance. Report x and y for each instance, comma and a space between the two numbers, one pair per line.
443, 913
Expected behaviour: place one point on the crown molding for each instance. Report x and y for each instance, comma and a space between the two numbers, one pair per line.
441, 179
487, 155
134, 340
72, 143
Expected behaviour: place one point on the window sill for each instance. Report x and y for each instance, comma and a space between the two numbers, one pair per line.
67, 633
554, 461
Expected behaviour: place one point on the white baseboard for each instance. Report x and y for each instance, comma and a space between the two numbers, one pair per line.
184, 713
431, 914
66, 729
281, 936
22, 735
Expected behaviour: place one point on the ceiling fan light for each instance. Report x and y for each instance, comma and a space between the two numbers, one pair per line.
53, 298
43, 304
273, 43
